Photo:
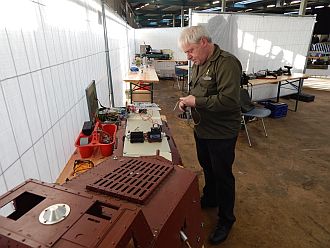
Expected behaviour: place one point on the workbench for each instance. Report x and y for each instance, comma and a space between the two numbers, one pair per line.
142, 82
284, 81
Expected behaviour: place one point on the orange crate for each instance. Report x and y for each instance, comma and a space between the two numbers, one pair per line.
95, 140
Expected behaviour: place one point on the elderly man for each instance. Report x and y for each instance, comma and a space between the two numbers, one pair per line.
215, 108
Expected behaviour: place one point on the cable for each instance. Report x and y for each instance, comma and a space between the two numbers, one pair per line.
80, 166
184, 238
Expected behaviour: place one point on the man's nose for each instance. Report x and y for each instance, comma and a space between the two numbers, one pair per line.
189, 56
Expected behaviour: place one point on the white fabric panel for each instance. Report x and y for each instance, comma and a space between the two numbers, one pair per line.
31, 50
58, 92
41, 99
52, 155
14, 175
64, 45
71, 71
62, 84
58, 140
29, 165
79, 90
17, 114
3, 186
74, 45
17, 47
7, 68
30, 103
59, 50
73, 131
42, 49
50, 46
119, 57
49, 90
64, 136
68, 83
8, 147
42, 161
261, 42
160, 38
43, 111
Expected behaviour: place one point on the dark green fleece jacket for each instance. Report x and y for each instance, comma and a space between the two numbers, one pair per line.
215, 84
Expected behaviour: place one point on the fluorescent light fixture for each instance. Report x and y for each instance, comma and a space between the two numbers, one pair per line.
309, 8
271, 6
215, 2
319, 7
248, 10
146, 4
211, 9
293, 2
248, 1
291, 13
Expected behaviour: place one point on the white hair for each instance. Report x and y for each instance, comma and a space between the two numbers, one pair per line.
193, 35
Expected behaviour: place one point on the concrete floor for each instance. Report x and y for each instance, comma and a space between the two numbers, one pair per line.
282, 181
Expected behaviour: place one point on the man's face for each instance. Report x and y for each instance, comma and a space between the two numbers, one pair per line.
196, 52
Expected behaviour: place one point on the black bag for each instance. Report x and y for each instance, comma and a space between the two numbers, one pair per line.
245, 100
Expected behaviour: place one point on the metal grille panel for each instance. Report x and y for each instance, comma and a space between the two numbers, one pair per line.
134, 180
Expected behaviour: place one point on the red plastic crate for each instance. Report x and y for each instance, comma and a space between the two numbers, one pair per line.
94, 140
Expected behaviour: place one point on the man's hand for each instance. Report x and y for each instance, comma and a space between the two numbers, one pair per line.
188, 101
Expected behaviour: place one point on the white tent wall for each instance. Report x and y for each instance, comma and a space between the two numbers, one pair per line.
121, 50
261, 42
160, 38
50, 52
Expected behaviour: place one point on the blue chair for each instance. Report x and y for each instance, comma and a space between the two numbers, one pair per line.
259, 113
180, 76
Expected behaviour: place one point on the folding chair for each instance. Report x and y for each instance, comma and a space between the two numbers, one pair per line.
251, 111
257, 112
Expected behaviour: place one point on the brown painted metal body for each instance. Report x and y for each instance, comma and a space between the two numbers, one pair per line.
173, 204
90, 223
129, 202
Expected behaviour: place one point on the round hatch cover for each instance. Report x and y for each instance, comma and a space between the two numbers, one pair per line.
54, 214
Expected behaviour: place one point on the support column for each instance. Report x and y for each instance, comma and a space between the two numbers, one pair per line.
107, 57
302, 9
182, 16
279, 3
173, 20
223, 6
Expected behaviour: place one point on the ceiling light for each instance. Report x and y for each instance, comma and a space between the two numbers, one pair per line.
215, 2
248, 10
271, 5
146, 4
248, 1
308, 7
212, 9
293, 2
290, 13
319, 7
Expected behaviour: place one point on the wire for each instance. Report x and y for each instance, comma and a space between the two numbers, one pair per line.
80, 166
184, 238
176, 105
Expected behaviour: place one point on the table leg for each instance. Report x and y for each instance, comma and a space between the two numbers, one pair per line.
278, 91
299, 91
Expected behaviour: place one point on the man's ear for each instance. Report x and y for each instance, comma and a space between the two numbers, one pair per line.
203, 41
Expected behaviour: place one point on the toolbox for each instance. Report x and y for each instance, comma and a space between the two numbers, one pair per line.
102, 137
279, 109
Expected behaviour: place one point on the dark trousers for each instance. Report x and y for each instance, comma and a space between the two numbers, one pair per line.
216, 156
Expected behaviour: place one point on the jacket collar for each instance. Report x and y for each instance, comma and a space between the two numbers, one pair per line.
200, 71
